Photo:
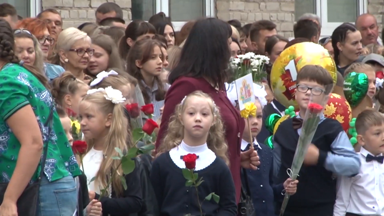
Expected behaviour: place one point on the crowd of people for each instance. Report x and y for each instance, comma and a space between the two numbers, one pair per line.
51, 78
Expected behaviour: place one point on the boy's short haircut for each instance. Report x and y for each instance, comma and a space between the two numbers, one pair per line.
358, 67
258, 26
49, 10
108, 7
110, 20
317, 74
305, 29
367, 119
7, 10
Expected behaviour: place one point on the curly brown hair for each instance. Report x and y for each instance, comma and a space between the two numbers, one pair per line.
216, 139
7, 52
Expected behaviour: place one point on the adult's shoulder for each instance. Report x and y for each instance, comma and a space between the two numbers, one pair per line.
190, 82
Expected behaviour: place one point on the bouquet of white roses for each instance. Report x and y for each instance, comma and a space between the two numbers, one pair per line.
249, 63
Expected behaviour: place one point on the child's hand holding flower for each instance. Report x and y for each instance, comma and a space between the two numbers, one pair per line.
94, 208
250, 159
290, 186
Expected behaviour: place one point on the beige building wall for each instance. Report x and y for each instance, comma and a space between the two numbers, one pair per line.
281, 12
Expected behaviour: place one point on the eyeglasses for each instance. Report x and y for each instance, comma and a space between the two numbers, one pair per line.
81, 51
48, 39
316, 91
19, 31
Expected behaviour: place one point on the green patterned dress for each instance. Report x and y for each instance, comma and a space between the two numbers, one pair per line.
18, 88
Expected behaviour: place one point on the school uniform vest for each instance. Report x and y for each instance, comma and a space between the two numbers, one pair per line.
316, 191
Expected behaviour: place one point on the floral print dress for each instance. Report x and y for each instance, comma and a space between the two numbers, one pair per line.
19, 88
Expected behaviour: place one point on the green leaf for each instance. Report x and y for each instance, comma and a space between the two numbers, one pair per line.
215, 197
92, 179
123, 182
195, 176
189, 183
209, 197
119, 151
116, 158
199, 182
146, 149
128, 165
187, 174
137, 134
132, 152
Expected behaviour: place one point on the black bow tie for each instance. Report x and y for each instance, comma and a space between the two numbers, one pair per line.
297, 123
379, 159
182, 156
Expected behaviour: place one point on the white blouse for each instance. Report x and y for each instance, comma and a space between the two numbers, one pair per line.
91, 162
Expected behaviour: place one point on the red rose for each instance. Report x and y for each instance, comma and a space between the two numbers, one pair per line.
133, 110
190, 161
149, 126
315, 108
71, 113
380, 74
79, 147
147, 109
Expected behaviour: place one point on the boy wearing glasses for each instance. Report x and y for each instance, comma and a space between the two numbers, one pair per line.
330, 153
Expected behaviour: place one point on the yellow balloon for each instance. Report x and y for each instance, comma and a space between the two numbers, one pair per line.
279, 122
289, 63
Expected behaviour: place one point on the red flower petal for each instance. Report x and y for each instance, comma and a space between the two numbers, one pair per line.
79, 147
315, 108
133, 110
149, 126
147, 109
190, 161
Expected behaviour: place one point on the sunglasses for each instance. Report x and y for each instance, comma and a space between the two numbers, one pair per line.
20, 31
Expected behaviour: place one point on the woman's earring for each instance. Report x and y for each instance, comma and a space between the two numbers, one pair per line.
66, 60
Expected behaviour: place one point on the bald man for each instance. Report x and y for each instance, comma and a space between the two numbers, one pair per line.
367, 25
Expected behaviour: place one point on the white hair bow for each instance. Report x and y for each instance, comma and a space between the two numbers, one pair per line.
113, 95
100, 76
379, 83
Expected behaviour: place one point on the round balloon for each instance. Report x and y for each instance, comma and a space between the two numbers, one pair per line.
339, 109
288, 64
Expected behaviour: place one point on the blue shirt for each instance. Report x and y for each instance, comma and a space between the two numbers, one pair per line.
53, 71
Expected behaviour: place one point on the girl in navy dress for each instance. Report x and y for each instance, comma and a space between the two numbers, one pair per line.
195, 128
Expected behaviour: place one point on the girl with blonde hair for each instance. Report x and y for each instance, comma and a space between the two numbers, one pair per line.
105, 128
73, 51
195, 128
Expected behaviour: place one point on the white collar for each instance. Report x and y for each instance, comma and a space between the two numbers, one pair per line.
365, 152
244, 144
206, 156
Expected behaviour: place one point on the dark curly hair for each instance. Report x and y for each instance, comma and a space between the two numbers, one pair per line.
7, 53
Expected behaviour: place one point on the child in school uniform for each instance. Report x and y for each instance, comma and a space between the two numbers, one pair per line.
330, 152
363, 194
85, 207
259, 182
195, 128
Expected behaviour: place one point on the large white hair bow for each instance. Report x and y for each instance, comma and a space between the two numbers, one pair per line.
100, 76
113, 95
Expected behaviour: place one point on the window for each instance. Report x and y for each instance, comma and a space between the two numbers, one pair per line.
180, 11
25, 8
331, 12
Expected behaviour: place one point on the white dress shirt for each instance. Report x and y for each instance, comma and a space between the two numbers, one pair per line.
362, 194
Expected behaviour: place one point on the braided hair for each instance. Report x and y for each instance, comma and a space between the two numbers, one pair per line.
7, 53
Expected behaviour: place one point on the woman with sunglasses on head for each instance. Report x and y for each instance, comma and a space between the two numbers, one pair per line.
73, 51
27, 49
41, 31
34, 150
